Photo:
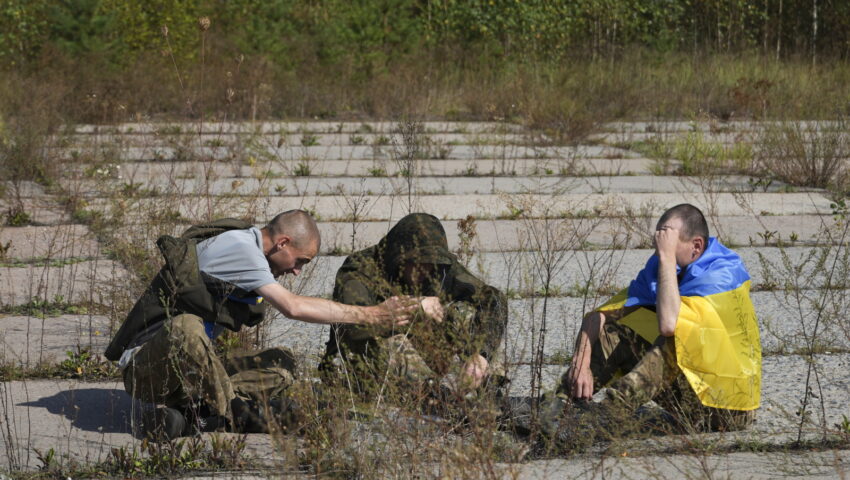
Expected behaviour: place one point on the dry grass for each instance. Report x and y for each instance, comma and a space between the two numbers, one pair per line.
352, 438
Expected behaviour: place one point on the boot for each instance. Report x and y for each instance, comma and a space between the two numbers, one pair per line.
163, 424
247, 417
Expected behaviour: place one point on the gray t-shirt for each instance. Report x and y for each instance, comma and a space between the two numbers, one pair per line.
236, 257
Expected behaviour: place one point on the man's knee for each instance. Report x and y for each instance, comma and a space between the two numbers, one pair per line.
186, 326
187, 336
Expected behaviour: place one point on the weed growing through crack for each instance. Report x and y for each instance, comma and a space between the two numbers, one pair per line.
812, 154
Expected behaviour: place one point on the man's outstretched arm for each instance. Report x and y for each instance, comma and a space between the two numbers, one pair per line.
395, 311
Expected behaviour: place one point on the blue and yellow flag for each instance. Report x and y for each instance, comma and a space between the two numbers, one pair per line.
717, 336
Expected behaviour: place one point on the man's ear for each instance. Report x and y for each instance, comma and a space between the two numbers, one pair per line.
282, 241
699, 246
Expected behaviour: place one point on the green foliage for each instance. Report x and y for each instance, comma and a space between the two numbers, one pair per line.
83, 27
139, 25
41, 308
79, 364
82, 363
378, 171
812, 155
702, 156
302, 170
17, 217
543, 27
367, 35
23, 26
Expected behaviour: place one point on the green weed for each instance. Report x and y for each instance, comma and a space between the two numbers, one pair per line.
301, 170
41, 308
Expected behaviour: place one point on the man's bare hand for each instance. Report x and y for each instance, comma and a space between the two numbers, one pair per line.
394, 311
474, 371
666, 241
433, 309
580, 381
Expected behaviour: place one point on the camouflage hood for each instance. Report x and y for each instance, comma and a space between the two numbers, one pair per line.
417, 238
476, 313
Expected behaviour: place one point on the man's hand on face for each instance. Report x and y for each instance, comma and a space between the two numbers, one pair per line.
433, 309
666, 242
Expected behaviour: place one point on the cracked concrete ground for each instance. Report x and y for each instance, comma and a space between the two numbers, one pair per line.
606, 195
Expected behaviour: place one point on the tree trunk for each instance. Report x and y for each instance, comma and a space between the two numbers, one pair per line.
814, 31
779, 32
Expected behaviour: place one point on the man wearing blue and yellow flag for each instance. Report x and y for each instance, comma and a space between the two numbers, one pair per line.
684, 333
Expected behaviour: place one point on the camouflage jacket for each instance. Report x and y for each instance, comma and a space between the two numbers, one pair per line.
476, 312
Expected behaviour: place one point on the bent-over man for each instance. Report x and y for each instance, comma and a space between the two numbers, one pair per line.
218, 276
459, 346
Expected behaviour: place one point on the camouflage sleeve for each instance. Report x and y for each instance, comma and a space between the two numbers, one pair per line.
491, 320
353, 288
488, 309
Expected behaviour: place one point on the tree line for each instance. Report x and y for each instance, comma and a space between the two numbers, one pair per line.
369, 34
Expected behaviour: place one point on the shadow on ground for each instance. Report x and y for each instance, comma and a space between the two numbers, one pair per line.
104, 410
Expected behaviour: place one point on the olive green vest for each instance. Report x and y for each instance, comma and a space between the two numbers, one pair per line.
179, 288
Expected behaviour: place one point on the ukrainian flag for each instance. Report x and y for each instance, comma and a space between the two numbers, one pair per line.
717, 336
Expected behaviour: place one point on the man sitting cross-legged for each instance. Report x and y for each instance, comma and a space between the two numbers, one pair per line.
455, 353
218, 276
683, 334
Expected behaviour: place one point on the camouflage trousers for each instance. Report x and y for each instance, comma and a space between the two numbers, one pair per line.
636, 371
395, 365
178, 366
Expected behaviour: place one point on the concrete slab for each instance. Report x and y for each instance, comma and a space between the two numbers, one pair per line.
42, 210
678, 126
85, 281
502, 235
11, 190
293, 126
812, 465
516, 272
53, 242
509, 270
428, 185
246, 140
363, 152
29, 341
508, 235
784, 328
713, 126
144, 171
725, 137
454, 207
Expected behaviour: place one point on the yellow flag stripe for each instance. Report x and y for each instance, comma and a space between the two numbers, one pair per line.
717, 345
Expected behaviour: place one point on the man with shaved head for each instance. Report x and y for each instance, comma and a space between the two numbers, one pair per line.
218, 276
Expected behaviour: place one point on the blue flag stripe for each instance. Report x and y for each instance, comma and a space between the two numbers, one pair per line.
717, 270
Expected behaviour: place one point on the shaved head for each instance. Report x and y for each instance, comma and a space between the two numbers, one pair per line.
693, 221
299, 225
